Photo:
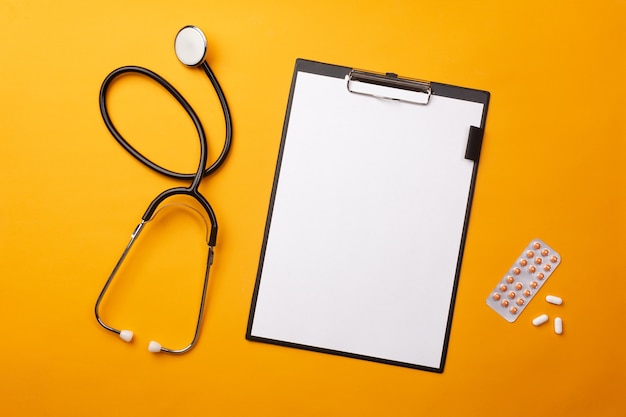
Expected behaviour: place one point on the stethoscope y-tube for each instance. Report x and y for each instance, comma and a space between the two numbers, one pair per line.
191, 49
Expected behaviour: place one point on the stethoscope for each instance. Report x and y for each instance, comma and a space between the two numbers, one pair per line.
191, 48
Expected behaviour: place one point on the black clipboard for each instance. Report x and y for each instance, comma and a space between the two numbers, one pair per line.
368, 216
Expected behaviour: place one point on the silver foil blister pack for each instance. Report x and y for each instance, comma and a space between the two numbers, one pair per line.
523, 280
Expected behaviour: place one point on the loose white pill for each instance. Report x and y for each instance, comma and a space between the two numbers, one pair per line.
553, 299
558, 325
538, 321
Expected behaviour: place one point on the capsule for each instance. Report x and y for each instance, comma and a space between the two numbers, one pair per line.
523, 262
510, 279
513, 310
545, 252
538, 260
553, 299
496, 296
512, 294
519, 286
527, 293
520, 302
503, 288
540, 275
553, 259
536, 245
532, 269
533, 285
516, 271
547, 268
538, 321
558, 325
530, 254
504, 303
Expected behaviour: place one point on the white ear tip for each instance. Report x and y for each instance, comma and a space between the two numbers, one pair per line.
190, 46
126, 335
154, 347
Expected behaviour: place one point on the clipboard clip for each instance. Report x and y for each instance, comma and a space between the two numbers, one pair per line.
389, 86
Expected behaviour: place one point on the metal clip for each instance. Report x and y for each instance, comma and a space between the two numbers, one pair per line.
389, 86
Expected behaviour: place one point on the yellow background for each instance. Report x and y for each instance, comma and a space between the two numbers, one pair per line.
552, 167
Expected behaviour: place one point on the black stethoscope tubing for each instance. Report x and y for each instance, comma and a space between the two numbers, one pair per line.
202, 170
192, 190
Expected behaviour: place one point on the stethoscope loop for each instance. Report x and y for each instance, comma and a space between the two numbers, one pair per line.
131, 69
113, 75
191, 49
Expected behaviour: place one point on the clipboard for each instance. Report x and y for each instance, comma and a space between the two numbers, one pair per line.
368, 216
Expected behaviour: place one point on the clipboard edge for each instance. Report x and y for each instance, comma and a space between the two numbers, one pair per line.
275, 342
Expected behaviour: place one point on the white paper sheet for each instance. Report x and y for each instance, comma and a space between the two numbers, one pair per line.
367, 223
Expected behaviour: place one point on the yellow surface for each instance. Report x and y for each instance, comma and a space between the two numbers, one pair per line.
552, 167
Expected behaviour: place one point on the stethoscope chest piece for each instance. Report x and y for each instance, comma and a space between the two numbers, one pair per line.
190, 46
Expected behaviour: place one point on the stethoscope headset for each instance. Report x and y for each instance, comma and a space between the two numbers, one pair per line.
191, 48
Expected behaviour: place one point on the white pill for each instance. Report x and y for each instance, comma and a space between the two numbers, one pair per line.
558, 325
540, 320
553, 299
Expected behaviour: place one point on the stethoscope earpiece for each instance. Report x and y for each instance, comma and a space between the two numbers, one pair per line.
154, 347
190, 46
126, 335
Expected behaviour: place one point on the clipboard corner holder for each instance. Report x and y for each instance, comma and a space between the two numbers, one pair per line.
474, 143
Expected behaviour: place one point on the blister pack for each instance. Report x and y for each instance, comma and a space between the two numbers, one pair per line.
523, 280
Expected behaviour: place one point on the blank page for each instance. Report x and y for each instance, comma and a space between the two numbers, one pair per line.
365, 231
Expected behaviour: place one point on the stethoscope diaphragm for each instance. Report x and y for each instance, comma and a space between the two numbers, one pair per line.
190, 46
